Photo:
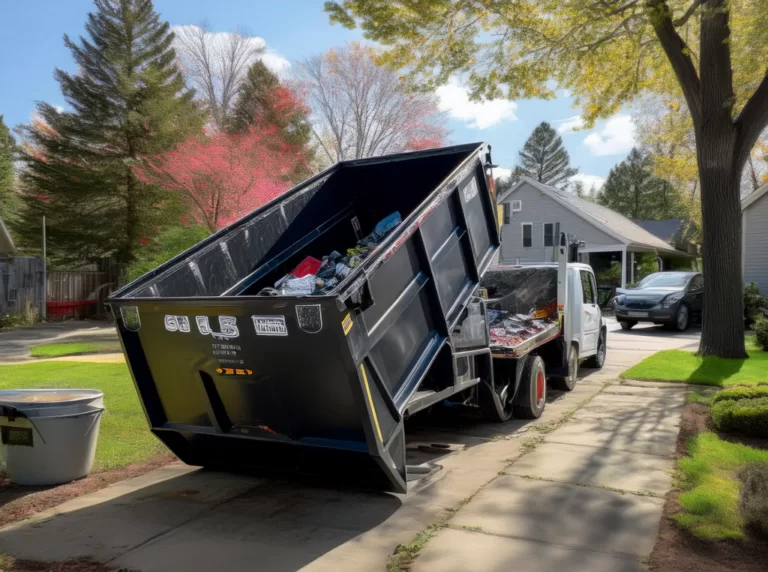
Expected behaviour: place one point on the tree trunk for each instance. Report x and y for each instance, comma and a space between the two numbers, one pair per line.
723, 326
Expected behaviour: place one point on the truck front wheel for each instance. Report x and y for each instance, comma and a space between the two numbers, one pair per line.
532, 396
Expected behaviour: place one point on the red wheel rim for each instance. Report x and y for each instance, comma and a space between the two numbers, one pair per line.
540, 381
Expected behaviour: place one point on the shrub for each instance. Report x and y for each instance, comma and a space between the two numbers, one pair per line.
746, 416
753, 303
761, 333
753, 498
737, 393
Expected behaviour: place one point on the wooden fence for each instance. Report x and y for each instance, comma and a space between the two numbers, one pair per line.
21, 286
69, 293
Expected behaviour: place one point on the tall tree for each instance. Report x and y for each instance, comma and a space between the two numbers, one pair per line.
634, 191
221, 177
544, 158
361, 109
128, 101
216, 65
8, 200
606, 52
263, 99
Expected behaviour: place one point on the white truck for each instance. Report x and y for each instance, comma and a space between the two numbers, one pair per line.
543, 320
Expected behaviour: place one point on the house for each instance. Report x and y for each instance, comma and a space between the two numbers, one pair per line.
754, 237
7, 248
530, 210
671, 230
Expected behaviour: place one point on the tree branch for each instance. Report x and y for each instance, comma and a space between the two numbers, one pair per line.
752, 120
688, 13
678, 55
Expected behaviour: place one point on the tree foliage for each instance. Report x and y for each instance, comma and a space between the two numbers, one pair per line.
8, 199
161, 248
264, 100
221, 177
216, 66
361, 109
544, 158
634, 191
128, 100
606, 52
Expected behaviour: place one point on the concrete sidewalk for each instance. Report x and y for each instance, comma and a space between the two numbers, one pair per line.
590, 497
522, 495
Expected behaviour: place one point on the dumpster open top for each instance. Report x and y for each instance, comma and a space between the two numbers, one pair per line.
232, 375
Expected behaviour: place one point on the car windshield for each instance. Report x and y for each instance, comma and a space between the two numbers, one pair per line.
664, 280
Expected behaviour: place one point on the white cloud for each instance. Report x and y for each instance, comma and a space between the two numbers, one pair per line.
589, 180
570, 124
454, 99
218, 42
566, 93
617, 136
501, 173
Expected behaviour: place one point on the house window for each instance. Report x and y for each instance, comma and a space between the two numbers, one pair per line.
549, 234
506, 213
527, 234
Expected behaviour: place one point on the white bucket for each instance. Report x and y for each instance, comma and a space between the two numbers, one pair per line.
48, 436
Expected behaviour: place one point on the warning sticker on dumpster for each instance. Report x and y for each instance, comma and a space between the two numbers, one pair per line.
346, 324
270, 325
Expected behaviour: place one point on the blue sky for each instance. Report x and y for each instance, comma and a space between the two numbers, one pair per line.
32, 46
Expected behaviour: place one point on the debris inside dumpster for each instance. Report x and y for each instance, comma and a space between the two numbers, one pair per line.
313, 276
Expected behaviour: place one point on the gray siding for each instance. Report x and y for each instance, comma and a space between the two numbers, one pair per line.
539, 209
756, 243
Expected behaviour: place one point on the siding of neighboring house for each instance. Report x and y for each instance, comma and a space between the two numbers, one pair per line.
538, 208
756, 243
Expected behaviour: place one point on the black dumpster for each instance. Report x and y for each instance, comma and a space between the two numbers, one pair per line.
313, 384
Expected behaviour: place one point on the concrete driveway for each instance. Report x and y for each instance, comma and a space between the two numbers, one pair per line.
182, 518
15, 344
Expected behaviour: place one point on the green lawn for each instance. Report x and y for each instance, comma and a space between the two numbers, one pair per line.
124, 437
683, 366
73, 349
708, 478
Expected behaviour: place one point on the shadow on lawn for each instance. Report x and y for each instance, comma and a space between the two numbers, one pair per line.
714, 370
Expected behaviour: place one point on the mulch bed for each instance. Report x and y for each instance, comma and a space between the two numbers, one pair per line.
18, 502
66, 566
677, 550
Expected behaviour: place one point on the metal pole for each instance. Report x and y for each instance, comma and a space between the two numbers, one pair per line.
44, 309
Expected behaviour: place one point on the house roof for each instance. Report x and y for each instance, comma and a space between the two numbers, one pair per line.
752, 197
603, 218
667, 230
6, 242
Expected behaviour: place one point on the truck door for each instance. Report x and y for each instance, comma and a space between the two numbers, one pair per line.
590, 314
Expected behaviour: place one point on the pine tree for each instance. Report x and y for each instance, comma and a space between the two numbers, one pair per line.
128, 100
634, 191
544, 158
263, 99
8, 200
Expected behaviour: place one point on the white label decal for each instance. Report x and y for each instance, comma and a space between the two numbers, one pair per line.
470, 191
270, 325
177, 324
227, 325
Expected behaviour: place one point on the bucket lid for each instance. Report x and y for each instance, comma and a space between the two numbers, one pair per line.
36, 398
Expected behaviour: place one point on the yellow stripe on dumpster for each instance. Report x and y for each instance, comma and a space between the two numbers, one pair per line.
370, 400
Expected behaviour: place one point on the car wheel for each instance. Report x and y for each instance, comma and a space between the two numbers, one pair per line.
626, 325
532, 396
598, 360
569, 382
682, 318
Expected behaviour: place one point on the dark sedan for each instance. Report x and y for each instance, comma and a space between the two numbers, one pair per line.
670, 298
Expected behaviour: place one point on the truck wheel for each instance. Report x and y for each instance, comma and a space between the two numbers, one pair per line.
532, 396
596, 361
626, 325
569, 382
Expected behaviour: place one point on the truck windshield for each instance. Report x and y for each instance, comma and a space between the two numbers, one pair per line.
664, 280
